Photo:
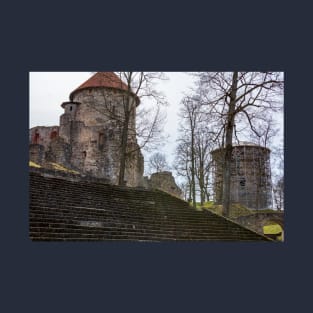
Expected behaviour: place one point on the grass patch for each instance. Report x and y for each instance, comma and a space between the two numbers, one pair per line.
264, 211
236, 209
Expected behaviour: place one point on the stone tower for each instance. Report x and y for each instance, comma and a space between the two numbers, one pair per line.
250, 175
90, 130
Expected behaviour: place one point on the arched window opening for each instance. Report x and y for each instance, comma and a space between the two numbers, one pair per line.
53, 134
101, 140
36, 137
111, 134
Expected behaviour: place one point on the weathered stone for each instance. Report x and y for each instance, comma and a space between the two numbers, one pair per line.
88, 138
257, 221
62, 209
250, 175
164, 181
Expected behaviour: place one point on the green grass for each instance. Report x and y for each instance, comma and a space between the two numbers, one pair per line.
264, 211
236, 209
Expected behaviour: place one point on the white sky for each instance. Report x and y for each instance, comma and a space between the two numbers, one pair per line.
49, 89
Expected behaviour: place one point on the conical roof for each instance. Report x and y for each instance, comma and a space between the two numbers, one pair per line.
103, 79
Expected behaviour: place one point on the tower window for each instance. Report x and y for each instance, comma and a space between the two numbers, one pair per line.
71, 108
84, 154
101, 140
53, 134
36, 137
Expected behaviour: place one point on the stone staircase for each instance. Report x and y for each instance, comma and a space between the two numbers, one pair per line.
67, 210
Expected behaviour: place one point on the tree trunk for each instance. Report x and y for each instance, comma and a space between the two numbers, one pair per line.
229, 146
124, 141
193, 174
201, 182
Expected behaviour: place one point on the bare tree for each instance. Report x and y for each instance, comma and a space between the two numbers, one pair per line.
182, 164
193, 151
203, 147
140, 84
266, 130
184, 187
278, 176
158, 163
236, 96
136, 87
278, 192
191, 116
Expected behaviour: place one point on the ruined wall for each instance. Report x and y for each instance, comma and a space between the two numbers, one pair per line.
88, 139
46, 146
59, 152
164, 181
257, 221
37, 153
43, 135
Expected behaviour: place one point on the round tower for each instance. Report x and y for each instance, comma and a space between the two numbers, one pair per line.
92, 125
250, 175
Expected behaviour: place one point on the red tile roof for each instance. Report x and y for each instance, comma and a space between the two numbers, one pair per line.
103, 79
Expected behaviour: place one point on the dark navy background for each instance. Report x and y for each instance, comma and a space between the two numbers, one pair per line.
158, 277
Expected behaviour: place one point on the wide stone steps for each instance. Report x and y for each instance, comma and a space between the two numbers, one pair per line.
62, 210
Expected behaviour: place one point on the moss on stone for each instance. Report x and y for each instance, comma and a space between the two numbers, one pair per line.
272, 229
236, 209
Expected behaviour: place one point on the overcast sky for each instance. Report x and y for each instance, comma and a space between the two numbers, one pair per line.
49, 89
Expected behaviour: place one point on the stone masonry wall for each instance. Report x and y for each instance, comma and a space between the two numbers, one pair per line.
166, 182
88, 139
43, 134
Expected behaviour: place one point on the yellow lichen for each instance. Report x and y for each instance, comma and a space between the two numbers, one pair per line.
272, 229
33, 164
59, 167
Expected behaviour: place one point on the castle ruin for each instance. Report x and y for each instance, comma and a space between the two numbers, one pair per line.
89, 136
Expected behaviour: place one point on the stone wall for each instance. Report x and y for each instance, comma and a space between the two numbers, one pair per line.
258, 220
163, 181
37, 153
59, 152
43, 135
88, 139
